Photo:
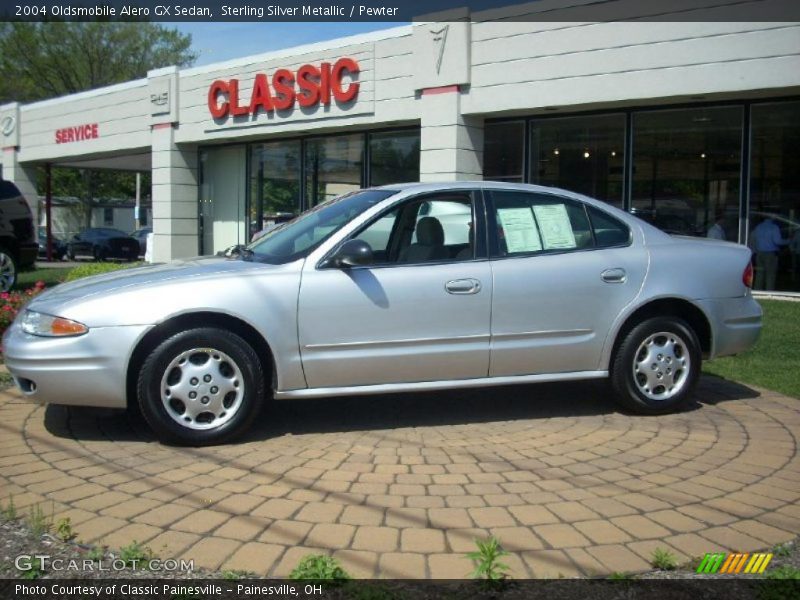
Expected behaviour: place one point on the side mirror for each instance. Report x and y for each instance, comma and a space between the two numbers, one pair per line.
352, 253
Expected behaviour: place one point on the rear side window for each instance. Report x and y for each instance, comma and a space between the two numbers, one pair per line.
527, 223
608, 231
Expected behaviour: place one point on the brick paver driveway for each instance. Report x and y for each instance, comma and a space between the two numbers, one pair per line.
399, 486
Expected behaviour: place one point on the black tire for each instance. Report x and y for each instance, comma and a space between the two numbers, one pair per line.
164, 416
8, 270
99, 254
664, 385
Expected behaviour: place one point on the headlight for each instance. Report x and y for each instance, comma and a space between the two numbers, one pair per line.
40, 324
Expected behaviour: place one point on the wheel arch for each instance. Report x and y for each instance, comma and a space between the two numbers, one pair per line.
667, 307
184, 321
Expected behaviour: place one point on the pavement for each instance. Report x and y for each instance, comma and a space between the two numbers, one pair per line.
401, 486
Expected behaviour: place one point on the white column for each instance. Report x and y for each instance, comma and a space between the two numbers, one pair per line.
23, 176
451, 145
175, 189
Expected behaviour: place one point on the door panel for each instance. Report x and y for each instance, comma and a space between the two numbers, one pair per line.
394, 324
552, 312
562, 274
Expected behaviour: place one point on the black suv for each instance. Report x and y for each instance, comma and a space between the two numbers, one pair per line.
18, 245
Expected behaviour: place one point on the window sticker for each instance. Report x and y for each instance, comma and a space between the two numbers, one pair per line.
555, 226
519, 229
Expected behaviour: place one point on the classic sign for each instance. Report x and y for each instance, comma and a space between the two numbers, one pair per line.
316, 86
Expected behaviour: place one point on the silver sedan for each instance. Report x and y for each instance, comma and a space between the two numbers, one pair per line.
398, 288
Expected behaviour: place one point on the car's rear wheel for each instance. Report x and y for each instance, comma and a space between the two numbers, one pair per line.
8, 271
200, 387
656, 366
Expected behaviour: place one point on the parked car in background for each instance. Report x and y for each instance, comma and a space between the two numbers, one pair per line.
101, 243
18, 245
140, 235
59, 246
522, 284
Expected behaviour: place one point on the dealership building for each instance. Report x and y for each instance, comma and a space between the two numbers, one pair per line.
690, 124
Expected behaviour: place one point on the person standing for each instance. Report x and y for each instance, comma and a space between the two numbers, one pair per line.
767, 240
717, 231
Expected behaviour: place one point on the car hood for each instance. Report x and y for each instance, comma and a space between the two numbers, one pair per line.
149, 275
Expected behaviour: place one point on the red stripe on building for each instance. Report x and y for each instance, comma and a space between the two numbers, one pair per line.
445, 89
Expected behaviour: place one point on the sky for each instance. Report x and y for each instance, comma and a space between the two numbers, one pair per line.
215, 42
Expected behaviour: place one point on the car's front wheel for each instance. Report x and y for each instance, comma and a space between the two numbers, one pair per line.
201, 386
656, 366
8, 271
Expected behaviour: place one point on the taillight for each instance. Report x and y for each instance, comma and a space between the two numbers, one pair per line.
747, 276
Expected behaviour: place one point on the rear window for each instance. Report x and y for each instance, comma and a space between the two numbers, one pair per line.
8, 190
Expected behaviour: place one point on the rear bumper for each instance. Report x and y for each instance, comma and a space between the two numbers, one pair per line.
735, 324
89, 370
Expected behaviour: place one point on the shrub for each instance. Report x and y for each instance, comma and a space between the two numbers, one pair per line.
12, 302
487, 560
663, 559
99, 268
315, 567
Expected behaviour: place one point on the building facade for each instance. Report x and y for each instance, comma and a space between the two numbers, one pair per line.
693, 125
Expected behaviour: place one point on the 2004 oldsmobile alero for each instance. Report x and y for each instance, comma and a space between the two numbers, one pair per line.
397, 288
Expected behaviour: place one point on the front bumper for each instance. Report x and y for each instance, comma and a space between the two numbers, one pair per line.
88, 370
735, 324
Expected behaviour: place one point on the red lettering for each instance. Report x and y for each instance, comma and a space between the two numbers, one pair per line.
316, 85
77, 133
233, 89
308, 78
325, 83
283, 82
342, 66
218, 110
261, 97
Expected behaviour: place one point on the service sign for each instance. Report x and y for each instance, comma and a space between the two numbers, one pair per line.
78, 133
309, 86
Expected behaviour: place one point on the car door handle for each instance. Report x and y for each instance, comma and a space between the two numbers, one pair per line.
614, 276
463, 286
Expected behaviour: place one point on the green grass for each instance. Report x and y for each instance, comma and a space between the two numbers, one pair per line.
772, 362
51, 277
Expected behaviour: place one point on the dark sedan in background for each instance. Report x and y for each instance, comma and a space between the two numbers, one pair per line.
141, 236
102, 243
59, 246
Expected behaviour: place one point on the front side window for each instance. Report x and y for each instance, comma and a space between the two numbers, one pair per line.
295, 239
528, 223
431, 229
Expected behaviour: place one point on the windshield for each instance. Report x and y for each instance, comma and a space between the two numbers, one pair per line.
297, 238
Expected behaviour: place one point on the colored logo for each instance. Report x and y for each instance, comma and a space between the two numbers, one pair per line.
720, 562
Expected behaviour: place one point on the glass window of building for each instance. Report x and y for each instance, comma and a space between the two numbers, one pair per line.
504, 151
775, 195
580, 154
393, 157
333, 166
275, 183
687, 170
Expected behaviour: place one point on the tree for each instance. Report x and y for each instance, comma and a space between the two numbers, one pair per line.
44, 60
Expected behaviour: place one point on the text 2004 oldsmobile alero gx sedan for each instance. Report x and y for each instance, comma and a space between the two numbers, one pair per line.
399, 288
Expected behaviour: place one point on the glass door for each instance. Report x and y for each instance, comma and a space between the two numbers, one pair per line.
222, 198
